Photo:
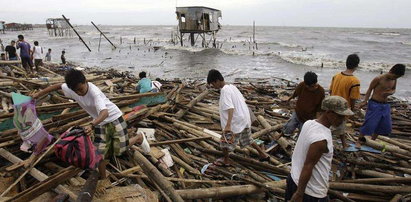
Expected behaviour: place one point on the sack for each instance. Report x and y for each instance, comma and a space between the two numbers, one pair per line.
28, 125
77, 149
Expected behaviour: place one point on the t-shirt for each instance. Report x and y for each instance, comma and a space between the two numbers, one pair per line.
346, 86
231, 98
312, 132
309, 102
48, 56
94, 102
144, 85
37, 52
24, 49
11, 50
63, 59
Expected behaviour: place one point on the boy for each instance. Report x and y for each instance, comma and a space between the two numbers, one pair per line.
63, 58
310, 95
144, 85
37, 54
346, 85
25, 53
313, 153
378, 117
110, 129
11, 52
235, 119
48, 55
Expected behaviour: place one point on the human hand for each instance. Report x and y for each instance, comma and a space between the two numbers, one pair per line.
297, 197
88, 129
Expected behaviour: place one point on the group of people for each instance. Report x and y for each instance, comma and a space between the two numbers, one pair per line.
317, 117
30, 56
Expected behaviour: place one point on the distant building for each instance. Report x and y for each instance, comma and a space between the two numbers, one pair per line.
58, 27
198, 20
18, 27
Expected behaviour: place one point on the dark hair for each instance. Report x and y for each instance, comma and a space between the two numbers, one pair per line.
352, 61
142, 75
398, 69
63, 51
12, 41
20, 36
213, 76
36, 43
73, 78
310, 78
3, 54
49, 49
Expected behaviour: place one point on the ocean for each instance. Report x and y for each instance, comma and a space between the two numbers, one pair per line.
285, 52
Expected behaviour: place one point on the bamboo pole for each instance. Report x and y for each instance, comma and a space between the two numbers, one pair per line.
178, 141
156, 176
368, 187
374, 144
181, 112
103, 34
384, 180
75, 31
87, 192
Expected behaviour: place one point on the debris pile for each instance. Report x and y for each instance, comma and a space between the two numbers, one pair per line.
182, 125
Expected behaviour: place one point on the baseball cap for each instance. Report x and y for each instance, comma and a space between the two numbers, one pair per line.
336, 104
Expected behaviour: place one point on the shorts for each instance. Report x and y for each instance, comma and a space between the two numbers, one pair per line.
377, 119
111, 138
38, 62
292, 188
244, 138
292, 124
26, 62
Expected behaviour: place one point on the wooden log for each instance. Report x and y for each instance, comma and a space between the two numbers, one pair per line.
86, 193
379, 165
46, 185
181, 112
37, 174
394, 142
178, 141
396, 198
156, 176
374, 144
280, 140
339, 195
8, 62
371, 188
223, 192
266, 131
406, 180
185, 165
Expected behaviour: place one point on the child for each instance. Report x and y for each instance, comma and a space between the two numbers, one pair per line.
235, 119
310, 95
48, 55
144, 85
110, 129
63, 58
378, 117
37, 54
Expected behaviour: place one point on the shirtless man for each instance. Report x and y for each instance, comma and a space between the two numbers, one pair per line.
378, 116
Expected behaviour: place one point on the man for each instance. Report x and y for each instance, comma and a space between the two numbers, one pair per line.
48, 55
144, 85
235, 119
63, 58
378, 116
346, 85
37, 54
25, 53
313, 153
310, 95
11, 52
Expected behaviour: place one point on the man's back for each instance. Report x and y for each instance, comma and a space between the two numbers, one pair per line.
346, 86
24, 49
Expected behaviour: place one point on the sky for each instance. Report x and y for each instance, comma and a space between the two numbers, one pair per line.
309, 13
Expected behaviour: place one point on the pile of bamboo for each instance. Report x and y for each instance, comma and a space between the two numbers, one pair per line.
187, 132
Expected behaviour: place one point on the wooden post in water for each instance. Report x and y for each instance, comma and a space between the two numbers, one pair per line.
101, 33
253, 31
76, 32
99, 41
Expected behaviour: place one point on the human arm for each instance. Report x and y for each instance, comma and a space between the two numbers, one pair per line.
313, 156
229, 119
372, 86
100, 118
297, 91
47, 90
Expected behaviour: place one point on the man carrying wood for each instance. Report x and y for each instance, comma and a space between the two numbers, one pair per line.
235, 118
346, 85
378, 117
110, 129
310, 95
313, 153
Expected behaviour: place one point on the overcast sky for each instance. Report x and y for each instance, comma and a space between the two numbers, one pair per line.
323, 13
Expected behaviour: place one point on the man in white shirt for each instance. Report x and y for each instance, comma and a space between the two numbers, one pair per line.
235, 119
110, 129
313, 153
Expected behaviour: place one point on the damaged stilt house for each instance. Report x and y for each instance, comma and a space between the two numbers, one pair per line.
58, 27
200, 21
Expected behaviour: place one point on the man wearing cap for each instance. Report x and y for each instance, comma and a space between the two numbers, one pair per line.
313, 153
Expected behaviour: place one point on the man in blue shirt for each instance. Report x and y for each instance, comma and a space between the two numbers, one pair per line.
144, 85
25, 53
